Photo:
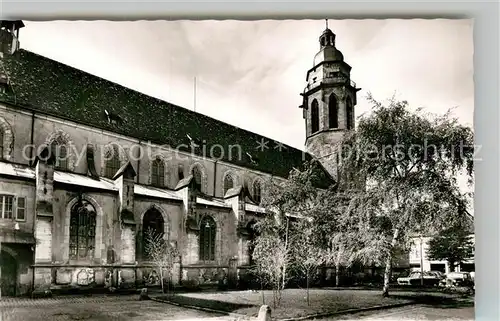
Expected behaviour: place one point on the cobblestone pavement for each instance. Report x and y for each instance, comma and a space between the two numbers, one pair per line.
96, 308
418, 313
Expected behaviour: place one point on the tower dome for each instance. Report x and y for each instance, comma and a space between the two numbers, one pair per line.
328, 54
327, 51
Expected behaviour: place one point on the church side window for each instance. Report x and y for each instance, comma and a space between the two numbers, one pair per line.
158, 173
256, 195
153, 227
197, 178
314, 116
333, 118
112, 162
82, 231
207, 239
228, 183
60, 152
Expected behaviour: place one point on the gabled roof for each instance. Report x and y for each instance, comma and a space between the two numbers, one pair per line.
47, 86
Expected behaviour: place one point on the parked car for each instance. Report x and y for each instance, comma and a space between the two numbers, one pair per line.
439, 274
415, 278
457, 279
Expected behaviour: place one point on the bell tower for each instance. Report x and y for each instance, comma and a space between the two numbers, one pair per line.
328, 102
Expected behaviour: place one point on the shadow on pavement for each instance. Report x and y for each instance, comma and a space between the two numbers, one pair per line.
440, 302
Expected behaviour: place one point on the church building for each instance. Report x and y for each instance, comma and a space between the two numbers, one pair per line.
88, 166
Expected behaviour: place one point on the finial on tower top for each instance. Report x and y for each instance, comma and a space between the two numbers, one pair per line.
326, 21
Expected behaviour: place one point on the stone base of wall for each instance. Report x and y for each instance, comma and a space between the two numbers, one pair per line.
80, 279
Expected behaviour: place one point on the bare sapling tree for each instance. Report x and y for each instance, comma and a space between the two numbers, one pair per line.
162, 254
270, 256
295, 196
308, 255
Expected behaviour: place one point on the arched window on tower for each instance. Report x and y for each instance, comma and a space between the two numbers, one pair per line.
349, 114
228, 183
333, 115
153, 230
82, 231
207, 239
158, 173
112, 162
314, 116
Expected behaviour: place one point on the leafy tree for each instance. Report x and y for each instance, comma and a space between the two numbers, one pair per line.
409, 161
453, 244
161, 253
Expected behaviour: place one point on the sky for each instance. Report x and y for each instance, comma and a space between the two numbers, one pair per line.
250, 73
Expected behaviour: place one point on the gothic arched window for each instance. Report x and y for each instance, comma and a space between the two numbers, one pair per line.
207, 239
314, 116
256, 191
153, 230
349, 115
197, 177
228, 183
158, 173
82, 231
59, 150
333, 117
112, 162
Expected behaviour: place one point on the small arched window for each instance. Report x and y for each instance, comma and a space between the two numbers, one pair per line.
256, 191
82, 231
314, 116
59, 150
333, 117
349, 114
228, 183
158, 173
112, 162
207, 239
197, 178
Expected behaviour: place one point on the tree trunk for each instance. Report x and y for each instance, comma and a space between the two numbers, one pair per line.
307, 288
387, 276
286, 249
388, 264
161, 281
337, 276
262, 292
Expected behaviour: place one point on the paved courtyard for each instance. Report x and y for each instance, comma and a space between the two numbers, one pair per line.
417, 313
96, 308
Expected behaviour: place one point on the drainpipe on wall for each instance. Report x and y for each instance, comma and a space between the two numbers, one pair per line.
31, 137
139, 163
215, 175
